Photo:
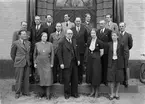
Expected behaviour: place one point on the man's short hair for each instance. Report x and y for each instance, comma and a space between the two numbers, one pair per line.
122, 23
48, 15
87, 14
19, 33
67, 15
109, 15
78, 17
58, 23
102, 21
37, 16
23, 22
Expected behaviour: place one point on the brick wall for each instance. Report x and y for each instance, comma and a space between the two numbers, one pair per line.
103, 7
12, 12
134, 16
44, 7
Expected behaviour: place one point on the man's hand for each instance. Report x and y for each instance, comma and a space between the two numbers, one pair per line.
78, 63
62, 66
35, 65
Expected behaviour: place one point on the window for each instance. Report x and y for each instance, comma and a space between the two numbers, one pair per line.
74, 3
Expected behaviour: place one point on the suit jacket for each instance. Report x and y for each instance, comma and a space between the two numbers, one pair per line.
36, 34
66, 52
112, 26
81, 38
16, 35
127, 41
55, 40
88, 27
70, 25
20, 53
105, 37
120, 55
49, 29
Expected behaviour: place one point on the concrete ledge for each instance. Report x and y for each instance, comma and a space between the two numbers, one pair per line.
86, 88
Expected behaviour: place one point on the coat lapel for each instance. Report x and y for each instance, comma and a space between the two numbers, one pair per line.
67, 44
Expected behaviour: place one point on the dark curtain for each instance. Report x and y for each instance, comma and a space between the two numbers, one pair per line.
118, 11
31, 12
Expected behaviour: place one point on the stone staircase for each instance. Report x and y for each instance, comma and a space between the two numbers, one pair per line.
85, 88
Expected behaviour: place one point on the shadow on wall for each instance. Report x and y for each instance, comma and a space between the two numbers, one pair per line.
7, 70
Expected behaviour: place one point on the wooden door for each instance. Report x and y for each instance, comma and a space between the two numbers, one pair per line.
59, 15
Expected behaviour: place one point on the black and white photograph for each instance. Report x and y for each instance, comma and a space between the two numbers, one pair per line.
72, 52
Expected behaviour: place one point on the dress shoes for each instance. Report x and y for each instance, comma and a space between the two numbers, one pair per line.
125, 83
66, 96
26, 94
17, 96
75, 95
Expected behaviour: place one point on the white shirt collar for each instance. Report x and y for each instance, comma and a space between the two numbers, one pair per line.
48, 23
87, 22
67, 22
103, 29
38, 26
58, 32
122, 32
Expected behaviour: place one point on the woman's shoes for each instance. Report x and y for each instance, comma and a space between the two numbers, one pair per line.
117, 97
114, 97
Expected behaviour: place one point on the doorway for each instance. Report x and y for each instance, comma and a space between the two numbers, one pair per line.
74, 8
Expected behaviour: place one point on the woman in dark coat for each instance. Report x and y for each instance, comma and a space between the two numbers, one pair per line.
93, 62
43, 62
116, 66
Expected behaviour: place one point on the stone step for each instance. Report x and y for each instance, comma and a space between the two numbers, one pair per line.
86, 88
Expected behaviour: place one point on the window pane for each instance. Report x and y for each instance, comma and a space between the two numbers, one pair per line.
74, 3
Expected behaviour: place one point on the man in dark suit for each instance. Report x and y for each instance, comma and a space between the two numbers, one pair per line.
69, 60
20, 55
81, 36
35, 37
36, 30
87, 24
127, 41
49, 27
55, 39
23, 27
104, 35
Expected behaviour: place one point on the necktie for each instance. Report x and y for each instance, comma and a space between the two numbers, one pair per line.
66, 24
70, 41
78, 29
37, 27
58, 32
101, 31
24, 43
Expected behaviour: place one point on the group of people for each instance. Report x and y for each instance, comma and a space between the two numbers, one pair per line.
63, 52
